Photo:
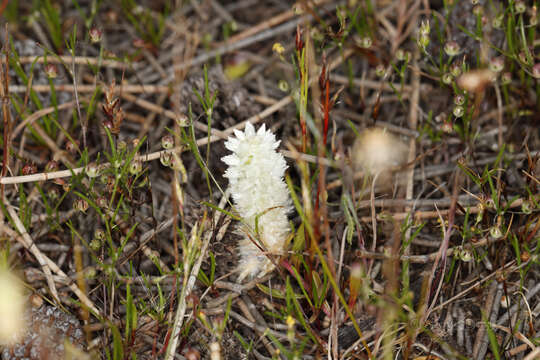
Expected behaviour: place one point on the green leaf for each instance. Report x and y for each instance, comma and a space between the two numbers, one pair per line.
131, 313
118, 347
243, 342
299, 240
492, 339
293, 299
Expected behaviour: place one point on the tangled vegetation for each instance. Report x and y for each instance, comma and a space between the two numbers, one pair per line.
405, 226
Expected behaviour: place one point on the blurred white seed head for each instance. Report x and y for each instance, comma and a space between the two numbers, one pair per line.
376, 151
215, 351
12, 305
476, 80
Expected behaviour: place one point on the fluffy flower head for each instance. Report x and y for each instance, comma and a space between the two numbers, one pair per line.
260, 196
376, 150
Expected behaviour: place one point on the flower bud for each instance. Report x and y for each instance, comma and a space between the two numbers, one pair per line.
423, 42
95, 244
451, 48
520, 6
165, 159
101, 202
506, 78
458, 111
533, 20
51, 166
51, 71
526, 207
72, 147
478, 10
29, 169
465, 255
95, 35
495, 232
380, 70
278, 48
81, 205
53, 193
366, 42
167, 142
135, 167
290, 328
496, 64
92, 170
283, 85
400, 55
497, 21
107, 124
455, 69
425, 28
90, 272
459, 99
536, 71
121, 146
99, 234
447, 78
447, 127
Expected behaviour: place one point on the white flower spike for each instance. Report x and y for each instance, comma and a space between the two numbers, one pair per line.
261, 197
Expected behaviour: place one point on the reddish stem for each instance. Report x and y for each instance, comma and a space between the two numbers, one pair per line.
326, 109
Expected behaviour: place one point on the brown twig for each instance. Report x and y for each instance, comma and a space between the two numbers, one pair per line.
420, 259
90, 88
481, 341
28, 243
419, 215
250, 312
67, 60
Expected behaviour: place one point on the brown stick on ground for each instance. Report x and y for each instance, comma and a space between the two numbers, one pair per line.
481, 334
87, 88
79, 60
28, 243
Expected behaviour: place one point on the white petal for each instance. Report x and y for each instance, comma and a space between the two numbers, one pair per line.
262, 130
250, 130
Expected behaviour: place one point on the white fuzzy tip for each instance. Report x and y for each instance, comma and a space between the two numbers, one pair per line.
261, 197
12, 305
